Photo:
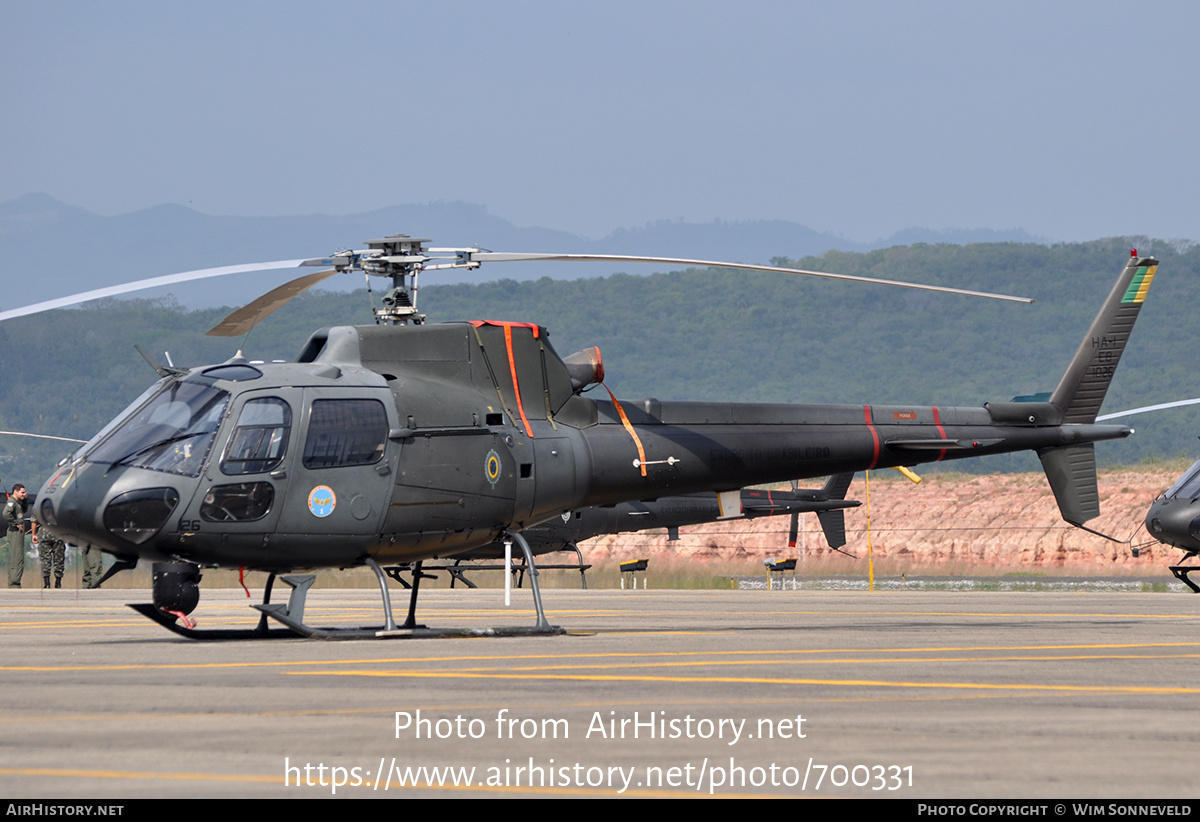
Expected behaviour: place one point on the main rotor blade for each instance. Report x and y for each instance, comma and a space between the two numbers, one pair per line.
252, 313
139, 285
1145, 409
507, 257
39, 436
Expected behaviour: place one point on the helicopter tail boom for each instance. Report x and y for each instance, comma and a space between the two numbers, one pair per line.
814, 440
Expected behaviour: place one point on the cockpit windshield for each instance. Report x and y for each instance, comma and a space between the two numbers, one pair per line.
117, 420
1187, 486
172, 432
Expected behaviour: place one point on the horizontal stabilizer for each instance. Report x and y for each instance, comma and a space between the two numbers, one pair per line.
763, 508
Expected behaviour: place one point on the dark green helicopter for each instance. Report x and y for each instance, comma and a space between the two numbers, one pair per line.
400, 442
1174, 516
1174, 519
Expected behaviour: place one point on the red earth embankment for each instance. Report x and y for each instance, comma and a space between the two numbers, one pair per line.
950, 523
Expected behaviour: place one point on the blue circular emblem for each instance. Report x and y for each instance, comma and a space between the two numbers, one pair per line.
322, 501
492, 467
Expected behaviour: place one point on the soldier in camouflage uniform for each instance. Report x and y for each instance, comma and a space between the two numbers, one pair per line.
93, 567
14, 519
53, 552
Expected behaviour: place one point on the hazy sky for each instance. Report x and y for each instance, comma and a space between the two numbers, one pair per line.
1070, 120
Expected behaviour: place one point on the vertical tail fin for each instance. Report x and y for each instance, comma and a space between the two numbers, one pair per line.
1071, 469
833, 522
1081, 390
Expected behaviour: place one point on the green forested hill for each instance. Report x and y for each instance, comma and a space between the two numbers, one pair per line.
700, 335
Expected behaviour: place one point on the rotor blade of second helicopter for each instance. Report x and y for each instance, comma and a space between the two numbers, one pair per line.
40, 436
1145, 409
139, 285
252, 313
511, 257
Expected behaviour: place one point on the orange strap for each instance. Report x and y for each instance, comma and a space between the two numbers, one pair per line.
874, 436
512, 367
629, 428
534, 327
937, 420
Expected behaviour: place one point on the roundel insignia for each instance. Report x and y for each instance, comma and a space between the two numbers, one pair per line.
322, 501
566, 516
492, 466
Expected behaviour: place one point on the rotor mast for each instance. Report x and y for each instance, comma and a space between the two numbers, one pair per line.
400, 258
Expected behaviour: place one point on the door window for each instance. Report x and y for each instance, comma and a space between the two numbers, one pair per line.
260, 440
345, 432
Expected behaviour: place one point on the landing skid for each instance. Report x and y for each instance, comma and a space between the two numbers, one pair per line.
420, 632
1181, 573
291, 616
170, 622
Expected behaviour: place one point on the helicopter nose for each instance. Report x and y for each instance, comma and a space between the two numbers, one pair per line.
66, 510
117, 511
1175, 522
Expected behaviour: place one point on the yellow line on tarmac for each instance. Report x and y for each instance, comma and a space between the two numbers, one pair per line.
76, 623
833, 661
42, 719
188, 777
774, 653
739, 680
359, 790
774, 614
194, 715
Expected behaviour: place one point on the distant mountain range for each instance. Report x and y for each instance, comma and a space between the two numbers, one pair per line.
51, 249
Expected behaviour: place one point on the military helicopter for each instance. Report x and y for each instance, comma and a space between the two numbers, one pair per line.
401, 441
1174, 518
566, 532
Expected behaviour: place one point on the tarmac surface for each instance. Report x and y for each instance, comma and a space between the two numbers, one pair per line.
912, 694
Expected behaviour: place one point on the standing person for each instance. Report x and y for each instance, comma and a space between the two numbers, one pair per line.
52, 552
14, 519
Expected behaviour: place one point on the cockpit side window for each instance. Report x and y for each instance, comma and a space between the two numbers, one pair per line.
1187, 486
259, 441
345, 432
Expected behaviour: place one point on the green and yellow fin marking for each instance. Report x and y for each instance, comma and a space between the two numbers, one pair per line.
1140, 284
